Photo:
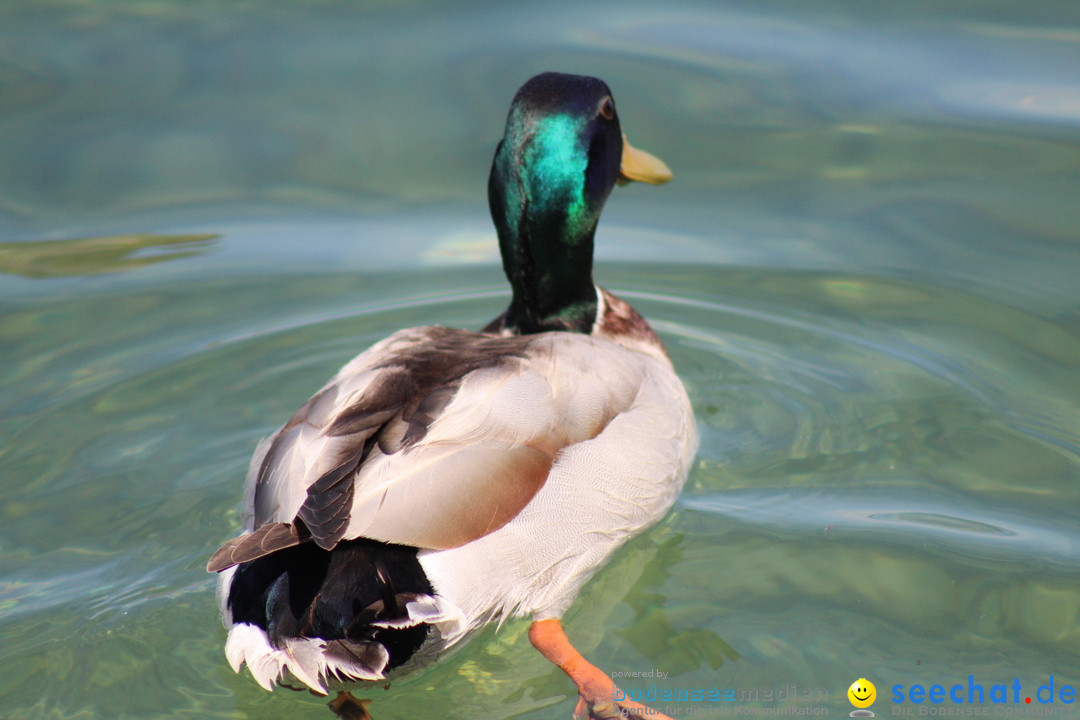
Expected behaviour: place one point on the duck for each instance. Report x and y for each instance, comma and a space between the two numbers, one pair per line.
447, 478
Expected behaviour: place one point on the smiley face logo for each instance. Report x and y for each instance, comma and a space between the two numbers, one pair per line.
862, 693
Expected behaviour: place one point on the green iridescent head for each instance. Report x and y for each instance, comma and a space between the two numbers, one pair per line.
562, 153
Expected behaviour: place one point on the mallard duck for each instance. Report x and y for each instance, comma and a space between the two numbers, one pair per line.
445, 479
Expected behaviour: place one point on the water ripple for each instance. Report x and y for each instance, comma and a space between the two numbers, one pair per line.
911, 514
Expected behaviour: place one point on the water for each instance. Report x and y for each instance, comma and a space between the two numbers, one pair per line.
865, 272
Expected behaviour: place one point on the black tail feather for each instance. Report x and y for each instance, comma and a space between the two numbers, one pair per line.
336, 595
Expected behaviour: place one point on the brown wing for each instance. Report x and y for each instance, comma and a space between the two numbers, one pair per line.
433, 438
378, 409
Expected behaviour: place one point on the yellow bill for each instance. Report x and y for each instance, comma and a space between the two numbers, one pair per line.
640, 166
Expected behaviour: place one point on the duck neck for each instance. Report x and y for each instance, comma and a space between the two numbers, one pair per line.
545, 225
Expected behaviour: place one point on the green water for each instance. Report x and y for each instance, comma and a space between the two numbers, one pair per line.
866, 271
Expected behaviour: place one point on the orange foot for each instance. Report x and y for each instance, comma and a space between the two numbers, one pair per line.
347, 707
596, 691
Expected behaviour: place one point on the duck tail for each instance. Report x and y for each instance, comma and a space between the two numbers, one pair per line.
328, 617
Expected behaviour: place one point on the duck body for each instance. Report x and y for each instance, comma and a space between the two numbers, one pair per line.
575, 443
445, 479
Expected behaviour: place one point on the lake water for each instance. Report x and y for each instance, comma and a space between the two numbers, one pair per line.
867, 271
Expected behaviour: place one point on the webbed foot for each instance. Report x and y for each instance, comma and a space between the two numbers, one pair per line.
348, 707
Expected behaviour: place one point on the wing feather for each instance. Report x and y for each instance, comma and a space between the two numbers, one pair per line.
267, 539
433, 438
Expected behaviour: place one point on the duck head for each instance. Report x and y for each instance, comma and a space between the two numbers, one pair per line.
562, 153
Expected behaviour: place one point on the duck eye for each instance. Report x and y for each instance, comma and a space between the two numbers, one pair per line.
607, 109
